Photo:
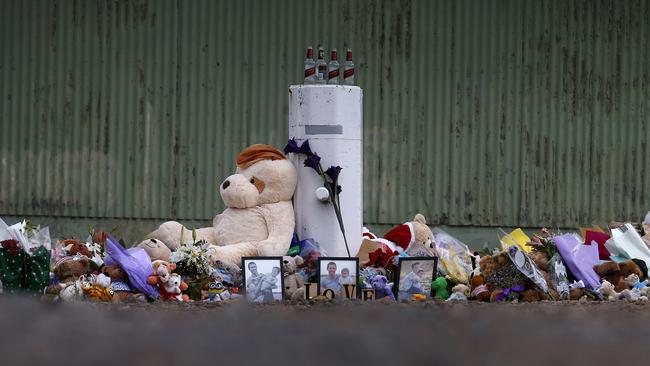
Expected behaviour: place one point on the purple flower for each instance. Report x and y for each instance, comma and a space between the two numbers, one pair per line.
312, 162
305, 149
333, 172
292, 146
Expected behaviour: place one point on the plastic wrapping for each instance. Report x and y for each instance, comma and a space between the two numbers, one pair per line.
135, 262
626, 243
559, 276
516, 237
526, 266
580, 259
454, 256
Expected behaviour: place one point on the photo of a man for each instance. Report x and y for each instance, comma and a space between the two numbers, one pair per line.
416, 275
263, 279
331, 281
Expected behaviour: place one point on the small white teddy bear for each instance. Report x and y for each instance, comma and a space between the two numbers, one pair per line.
173, 285
607, 290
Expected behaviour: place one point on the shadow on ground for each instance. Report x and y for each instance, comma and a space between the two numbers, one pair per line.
34, 333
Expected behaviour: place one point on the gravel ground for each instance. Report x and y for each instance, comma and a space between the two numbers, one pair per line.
34, 333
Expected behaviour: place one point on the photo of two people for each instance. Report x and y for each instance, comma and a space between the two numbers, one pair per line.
263, 279
335, 273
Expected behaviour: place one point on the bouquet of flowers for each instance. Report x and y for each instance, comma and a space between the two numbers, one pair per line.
192, 263
24, 257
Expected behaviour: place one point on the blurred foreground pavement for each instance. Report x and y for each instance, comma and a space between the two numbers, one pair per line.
33, 333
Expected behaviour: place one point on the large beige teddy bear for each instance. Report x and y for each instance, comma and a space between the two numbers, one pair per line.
259, 219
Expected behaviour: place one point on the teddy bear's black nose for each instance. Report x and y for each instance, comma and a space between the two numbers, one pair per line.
225, 184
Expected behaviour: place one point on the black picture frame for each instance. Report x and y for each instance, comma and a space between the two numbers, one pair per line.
334, 259
243, 267
414, 259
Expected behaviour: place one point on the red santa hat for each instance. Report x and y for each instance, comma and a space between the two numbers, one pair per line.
402, 235
367, 234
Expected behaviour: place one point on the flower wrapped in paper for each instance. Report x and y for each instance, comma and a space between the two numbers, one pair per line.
626, 243
24, 258
579, 258
454, 256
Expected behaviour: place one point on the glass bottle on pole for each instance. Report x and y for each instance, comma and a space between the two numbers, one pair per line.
333, 68
348, 68
310, 67
321, 67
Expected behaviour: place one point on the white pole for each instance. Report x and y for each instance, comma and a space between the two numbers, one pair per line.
331, 118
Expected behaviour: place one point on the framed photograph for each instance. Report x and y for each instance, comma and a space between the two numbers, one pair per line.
415, 277
263, 280
337, 277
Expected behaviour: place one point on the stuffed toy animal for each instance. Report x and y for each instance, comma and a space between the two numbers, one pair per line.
97, 287
503, 279
294, 285
480, 291
413, 237
607, 290
74, 247
161, 272
615, 273
120, 284
156, 249
459, 293
67, 271
439, 286
383, 288
217, 292
173, 288
259, 219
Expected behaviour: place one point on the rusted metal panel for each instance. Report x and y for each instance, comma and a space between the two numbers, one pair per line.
476, 112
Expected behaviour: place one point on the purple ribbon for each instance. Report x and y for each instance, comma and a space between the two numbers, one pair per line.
506, 292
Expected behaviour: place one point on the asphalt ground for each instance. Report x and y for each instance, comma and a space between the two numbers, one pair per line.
547, 333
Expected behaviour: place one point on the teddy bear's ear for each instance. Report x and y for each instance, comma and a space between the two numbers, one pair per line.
298, 260
420, 218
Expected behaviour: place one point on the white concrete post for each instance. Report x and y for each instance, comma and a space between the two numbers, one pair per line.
331, 118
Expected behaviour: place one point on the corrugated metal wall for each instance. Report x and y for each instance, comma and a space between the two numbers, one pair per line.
476, 112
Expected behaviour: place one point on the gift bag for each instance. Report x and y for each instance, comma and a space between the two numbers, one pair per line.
37, 271
580, 259
599, 238
12, 266
627, 243
454, 256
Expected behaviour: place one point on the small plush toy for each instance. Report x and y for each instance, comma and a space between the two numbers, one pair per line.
74, 247
294, 285
161, 272
67, 271
383, 288
120, 285
633, 295
439, 286
97, 287
607, 290
480, 291
413, 237
217, 292
615, 273
459, 293
156, 249
173, 288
